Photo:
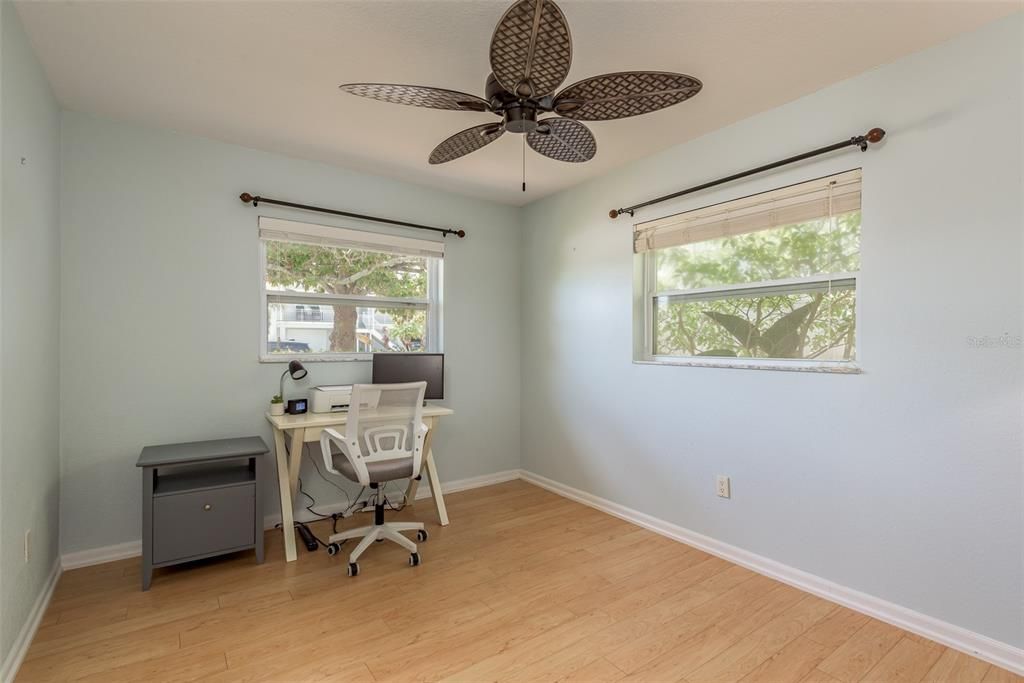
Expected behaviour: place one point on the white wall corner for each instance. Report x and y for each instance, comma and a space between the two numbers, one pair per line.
11, 664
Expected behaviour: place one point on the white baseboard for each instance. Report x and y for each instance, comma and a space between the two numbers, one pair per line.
121, 551
109, 553
469, 483
980, 646
11, 664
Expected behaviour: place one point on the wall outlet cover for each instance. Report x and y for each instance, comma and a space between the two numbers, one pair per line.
722, 487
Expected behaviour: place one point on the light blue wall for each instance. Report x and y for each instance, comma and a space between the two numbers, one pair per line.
904, 482
29, 329
161, 310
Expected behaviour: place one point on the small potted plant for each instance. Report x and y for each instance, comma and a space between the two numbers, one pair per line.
277, 405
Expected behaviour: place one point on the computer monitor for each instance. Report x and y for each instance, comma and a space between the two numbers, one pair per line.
396, 368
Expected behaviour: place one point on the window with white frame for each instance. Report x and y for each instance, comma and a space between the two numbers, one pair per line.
769, 276
335, 293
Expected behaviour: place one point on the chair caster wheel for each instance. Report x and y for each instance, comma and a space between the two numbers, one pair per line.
333, 549
421, 535
353, 569
414, 559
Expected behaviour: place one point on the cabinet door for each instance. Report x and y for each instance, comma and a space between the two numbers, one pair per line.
193, 524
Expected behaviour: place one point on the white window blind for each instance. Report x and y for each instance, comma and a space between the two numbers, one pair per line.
830, 196
281, 230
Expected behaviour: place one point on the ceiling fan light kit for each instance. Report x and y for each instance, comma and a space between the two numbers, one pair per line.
530, 56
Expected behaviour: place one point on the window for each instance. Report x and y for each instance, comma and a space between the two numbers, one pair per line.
337, 294
771, 277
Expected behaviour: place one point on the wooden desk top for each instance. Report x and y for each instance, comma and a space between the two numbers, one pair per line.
317, 420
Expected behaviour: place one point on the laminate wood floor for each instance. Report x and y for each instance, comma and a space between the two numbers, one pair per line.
523, 586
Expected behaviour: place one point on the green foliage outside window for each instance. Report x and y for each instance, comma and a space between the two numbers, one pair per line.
334, 270
815, 322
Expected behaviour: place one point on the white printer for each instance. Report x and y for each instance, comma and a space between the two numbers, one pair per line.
335, 398
330, 398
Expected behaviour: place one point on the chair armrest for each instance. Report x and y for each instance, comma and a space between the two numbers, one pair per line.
350, 450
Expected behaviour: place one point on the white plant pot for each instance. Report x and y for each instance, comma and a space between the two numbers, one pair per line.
277, 409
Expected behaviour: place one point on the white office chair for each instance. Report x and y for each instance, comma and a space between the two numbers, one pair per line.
383, 441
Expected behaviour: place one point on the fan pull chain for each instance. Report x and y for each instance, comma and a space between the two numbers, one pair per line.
524, 163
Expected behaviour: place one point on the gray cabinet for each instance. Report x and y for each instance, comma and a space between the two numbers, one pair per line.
201, 499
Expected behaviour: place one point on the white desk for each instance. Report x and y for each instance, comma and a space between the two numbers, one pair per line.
306, 428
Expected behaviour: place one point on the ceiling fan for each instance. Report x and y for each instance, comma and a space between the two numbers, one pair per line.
531, 51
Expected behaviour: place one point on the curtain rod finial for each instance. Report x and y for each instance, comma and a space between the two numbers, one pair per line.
460, 233
246, 197
875, 135
613, 214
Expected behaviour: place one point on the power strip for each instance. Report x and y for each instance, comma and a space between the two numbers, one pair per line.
307, 537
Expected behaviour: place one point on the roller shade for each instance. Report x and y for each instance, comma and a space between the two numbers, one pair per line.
820, 198
281, 230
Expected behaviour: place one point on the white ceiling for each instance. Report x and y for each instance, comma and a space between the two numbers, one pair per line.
265, 74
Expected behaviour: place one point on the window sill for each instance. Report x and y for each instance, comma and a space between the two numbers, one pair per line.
316, 358
828, 367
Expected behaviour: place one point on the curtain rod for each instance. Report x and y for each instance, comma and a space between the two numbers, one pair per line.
256, 199
874, 135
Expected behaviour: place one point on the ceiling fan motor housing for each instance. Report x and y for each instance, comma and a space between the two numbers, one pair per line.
519, 113
521, 118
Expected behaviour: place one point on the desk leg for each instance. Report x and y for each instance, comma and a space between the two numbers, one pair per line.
285, 490
435, 489
431, 470
295, 460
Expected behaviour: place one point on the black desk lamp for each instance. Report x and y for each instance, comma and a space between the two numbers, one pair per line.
296, 370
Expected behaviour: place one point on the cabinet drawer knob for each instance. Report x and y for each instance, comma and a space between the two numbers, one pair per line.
207, 507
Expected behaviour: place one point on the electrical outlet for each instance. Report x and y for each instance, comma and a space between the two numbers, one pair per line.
722, 486
28, 545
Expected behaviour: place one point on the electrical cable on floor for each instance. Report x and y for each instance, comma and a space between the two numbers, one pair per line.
390, 505
351, 507
349, 503
316, 466
312, 502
